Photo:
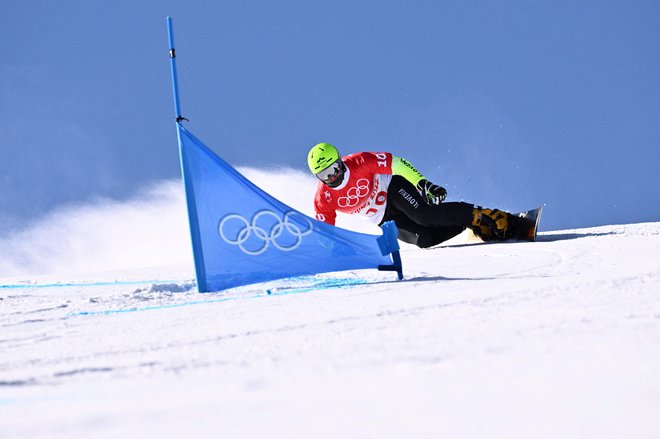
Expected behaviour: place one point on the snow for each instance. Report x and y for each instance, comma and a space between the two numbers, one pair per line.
102, 335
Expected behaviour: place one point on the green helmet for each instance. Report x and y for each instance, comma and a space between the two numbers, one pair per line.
321, 156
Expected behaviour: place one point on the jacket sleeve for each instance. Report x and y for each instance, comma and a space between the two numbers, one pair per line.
324, 211
405, 169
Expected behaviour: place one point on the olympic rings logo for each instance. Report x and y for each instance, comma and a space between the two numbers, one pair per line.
254, 237
353, 194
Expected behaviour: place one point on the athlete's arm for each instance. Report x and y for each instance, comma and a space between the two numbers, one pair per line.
405, 169
324, 212
434, 194
328, 218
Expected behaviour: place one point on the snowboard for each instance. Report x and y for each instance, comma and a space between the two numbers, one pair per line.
525, 224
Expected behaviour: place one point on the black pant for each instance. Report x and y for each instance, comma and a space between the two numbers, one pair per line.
420, 223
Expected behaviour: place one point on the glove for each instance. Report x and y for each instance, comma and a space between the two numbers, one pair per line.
433, 193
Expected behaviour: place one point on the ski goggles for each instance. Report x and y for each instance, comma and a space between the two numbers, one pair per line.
330, 174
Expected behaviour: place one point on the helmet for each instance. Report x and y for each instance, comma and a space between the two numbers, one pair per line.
321, 156
324, 162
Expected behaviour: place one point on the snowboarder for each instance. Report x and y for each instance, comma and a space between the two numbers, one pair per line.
385, 187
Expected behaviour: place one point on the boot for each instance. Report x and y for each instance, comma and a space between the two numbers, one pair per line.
490, 224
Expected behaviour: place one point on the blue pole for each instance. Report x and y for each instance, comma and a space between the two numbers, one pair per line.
187, 186
388, 244
175, 82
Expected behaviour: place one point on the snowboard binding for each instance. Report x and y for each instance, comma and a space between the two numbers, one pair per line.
496, 225
491, 224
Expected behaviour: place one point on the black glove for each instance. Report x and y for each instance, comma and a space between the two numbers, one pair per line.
433, 193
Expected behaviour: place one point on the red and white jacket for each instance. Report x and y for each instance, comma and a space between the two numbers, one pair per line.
363, 191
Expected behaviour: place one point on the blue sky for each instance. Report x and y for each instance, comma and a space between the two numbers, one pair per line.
507, 104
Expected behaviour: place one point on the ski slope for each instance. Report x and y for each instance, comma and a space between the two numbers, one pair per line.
557, 338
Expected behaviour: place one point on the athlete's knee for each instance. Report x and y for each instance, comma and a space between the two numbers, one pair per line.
425, 215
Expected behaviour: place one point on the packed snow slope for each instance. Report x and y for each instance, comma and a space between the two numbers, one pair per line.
556, 338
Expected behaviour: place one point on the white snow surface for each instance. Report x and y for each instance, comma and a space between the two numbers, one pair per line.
103, 335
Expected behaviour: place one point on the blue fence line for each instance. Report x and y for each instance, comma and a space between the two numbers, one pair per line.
322, 285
